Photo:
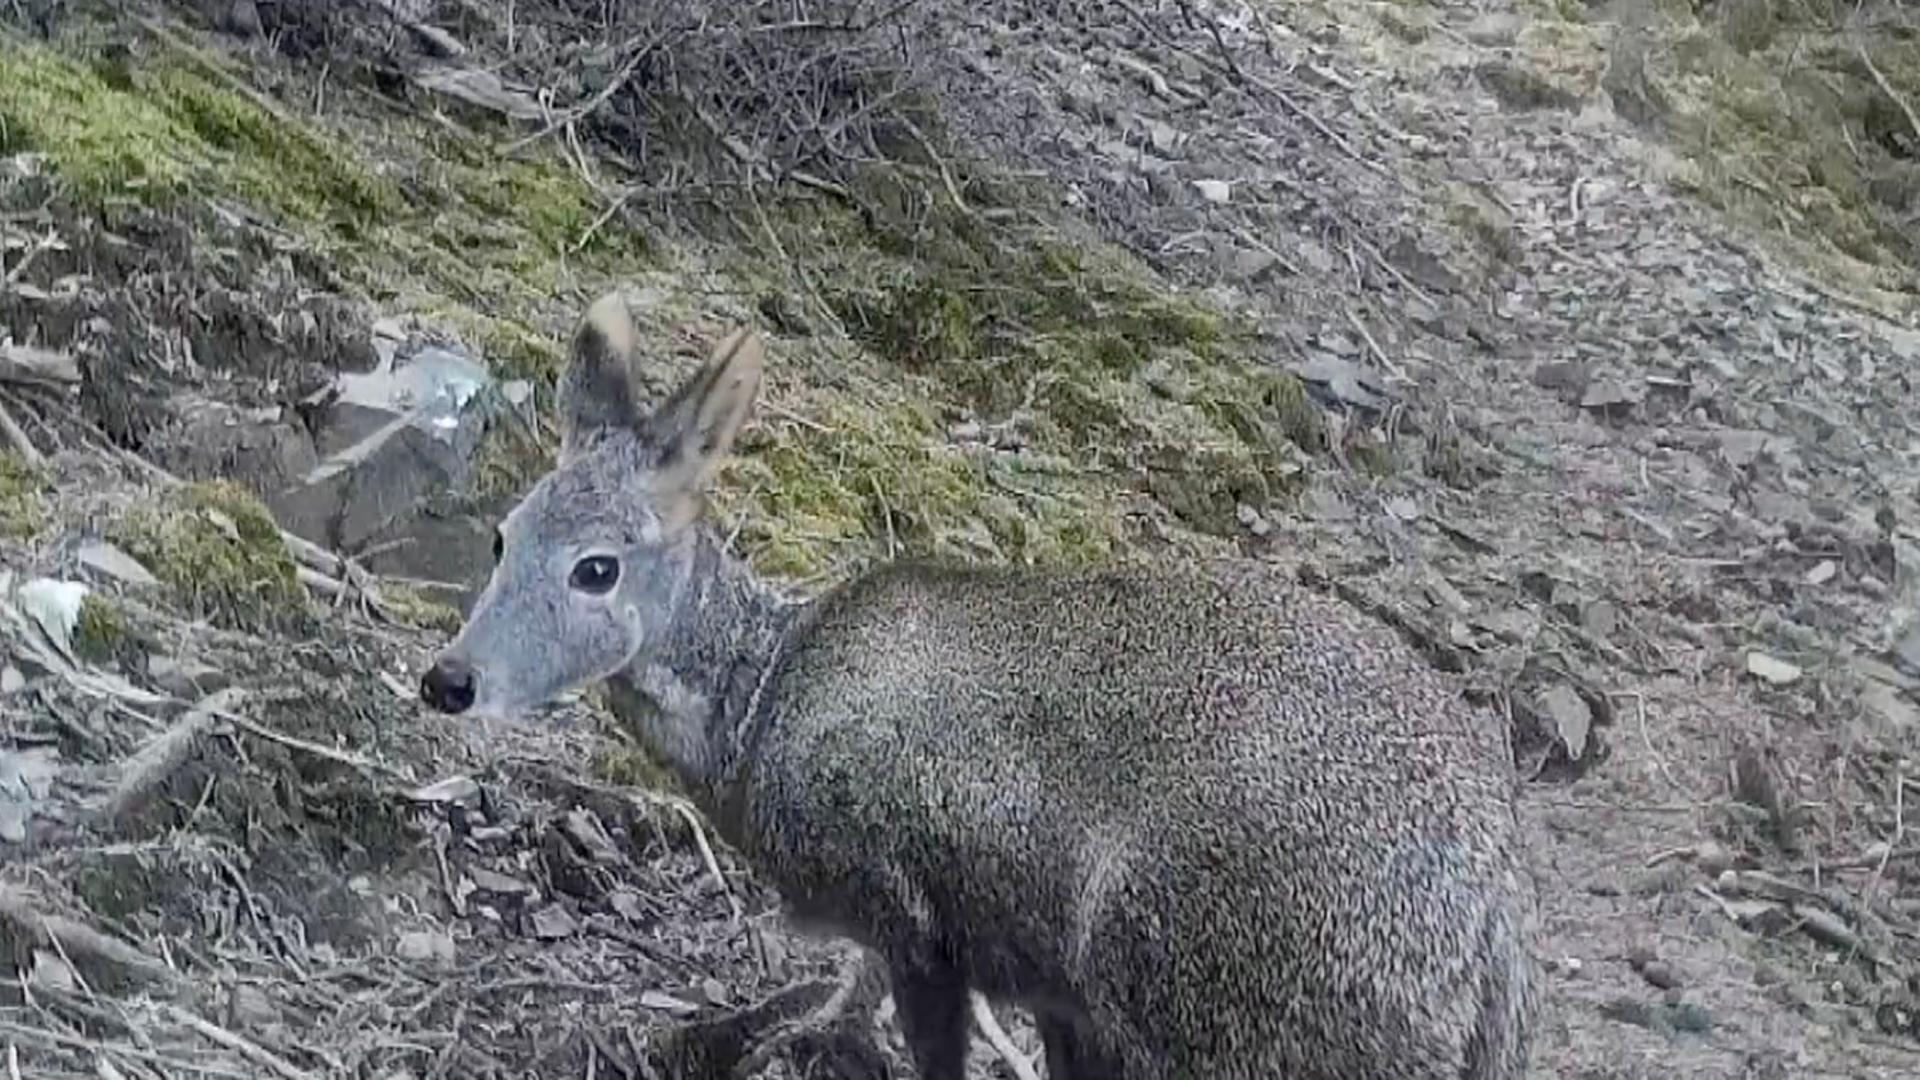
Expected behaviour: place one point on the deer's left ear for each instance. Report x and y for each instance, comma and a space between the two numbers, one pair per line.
597, 391
693, 430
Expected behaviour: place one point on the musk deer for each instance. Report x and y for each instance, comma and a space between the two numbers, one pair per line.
1205, 822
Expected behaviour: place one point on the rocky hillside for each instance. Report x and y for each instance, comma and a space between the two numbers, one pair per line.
1576, 341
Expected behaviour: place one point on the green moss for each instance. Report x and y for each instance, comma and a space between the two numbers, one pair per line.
1125, 385
165, 127
508, 461
618, 761
1372, 456
508, 232
1780, 123
513, 351
22, 497
102, 139
882, 478
218, 549
411, 606
101, 631
445, 222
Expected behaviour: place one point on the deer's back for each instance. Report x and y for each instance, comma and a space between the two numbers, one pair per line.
1153, 783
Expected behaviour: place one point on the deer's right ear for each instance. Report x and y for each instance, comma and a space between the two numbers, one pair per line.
597, 391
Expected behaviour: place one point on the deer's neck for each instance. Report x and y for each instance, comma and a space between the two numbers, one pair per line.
692, 695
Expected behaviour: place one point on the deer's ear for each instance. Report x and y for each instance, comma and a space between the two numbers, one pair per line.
692, 431
597, 391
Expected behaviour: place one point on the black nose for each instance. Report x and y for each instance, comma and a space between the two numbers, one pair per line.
448, 686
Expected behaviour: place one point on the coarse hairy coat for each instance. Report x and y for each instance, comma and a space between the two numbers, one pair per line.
1203, 820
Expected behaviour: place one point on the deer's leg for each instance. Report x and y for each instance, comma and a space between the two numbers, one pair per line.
932, 1000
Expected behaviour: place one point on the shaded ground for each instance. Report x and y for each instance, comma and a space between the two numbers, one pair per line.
1640, 471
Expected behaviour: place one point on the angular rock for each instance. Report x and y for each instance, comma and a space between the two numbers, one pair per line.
396, 446
104, 558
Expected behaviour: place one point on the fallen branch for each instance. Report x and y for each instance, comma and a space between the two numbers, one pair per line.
706, 856
996, 1037
76, 939
1886, 87
821, 1019
152, 764
24, 365
16, 437
252, 1051
364, 765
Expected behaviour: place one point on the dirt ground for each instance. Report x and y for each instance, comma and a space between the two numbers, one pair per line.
1621, 442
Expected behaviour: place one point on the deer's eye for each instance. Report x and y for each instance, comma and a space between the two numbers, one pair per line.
595, 574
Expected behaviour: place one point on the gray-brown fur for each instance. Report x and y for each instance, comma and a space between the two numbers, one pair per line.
1205, 821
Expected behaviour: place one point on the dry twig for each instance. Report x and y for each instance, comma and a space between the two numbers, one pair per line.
17, 438
159, 759
78, 939
996, 1037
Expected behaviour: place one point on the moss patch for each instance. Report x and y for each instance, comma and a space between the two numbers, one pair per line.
218, 549
415, 608
101, 633
1778, 120
1127, 384
443, 221
160, 129
884, 475
22, 497
509, 459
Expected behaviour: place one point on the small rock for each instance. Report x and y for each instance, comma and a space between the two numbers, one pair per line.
714, 991
584, 828
551, 923
1771, 670
1571, 715
249, 1007
1906, 651
1214, 191
661, 1001
493, 881
105, 558
1741, 447
1712, 857
1660, 974
1600, 618
50, 972
1251, 520
461, 790
1822, 572
626, 904
12, 681
1612, 396
243, 19
1251, 264
1884, 702
1495, 29
55, 606
425, 946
